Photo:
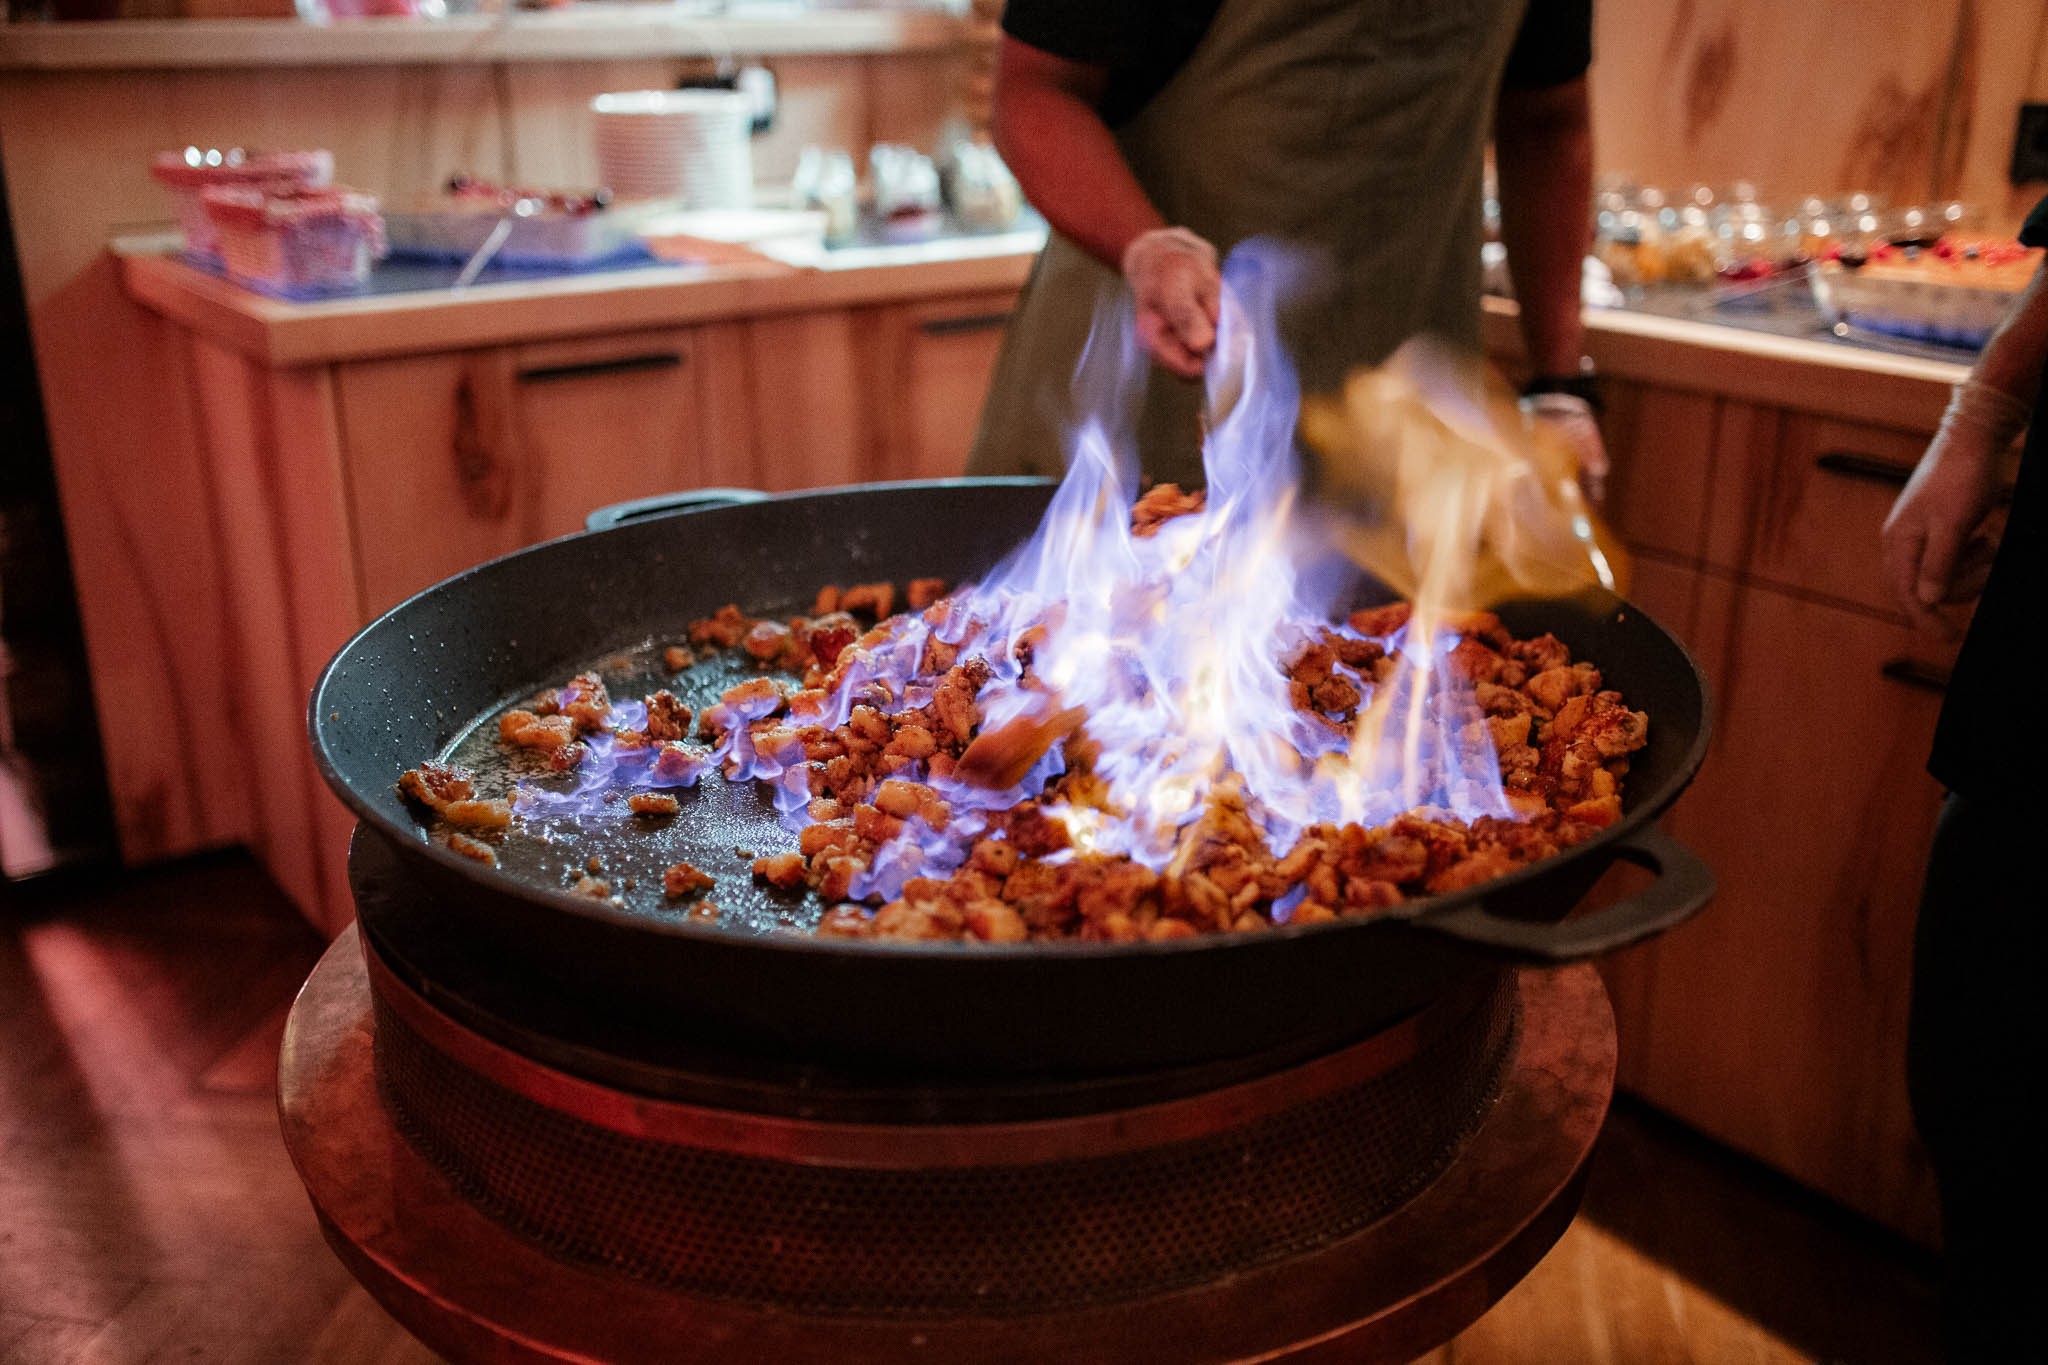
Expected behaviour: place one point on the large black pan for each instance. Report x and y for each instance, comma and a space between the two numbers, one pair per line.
413, 681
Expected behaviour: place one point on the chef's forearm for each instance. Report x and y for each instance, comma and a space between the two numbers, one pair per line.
2013, 359
1048, 132
1543, 158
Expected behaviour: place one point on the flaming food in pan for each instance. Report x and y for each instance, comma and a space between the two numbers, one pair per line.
1158, 718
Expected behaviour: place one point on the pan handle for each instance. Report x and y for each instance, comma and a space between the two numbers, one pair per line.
1684, 884
661, 504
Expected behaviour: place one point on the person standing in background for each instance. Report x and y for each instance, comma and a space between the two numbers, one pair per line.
1977, 1040
1156, 137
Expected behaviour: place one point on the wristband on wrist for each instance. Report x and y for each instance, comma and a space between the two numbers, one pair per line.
1585, 386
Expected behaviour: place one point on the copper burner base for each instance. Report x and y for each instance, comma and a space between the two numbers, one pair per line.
474, 1290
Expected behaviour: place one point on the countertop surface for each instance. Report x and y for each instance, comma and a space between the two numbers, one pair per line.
1771, 348
419, 313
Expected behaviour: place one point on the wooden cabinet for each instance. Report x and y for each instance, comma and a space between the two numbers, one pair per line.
932, 362
455, 459
1776, 1020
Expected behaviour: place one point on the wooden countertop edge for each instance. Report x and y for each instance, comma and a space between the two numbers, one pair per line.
1855, 384
586, 33
286, 334
1814, 376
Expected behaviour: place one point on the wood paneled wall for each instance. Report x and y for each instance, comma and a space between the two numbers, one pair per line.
1915, 101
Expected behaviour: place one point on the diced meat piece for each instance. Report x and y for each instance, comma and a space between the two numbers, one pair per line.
473, 848
1041, 894
1482, 866
1599, 812
1381, 621
922, 592
1544, 652
681, 879
993, 921
1475, 662
1162, 503
846, 921
874, 825
725, 629
679, 763
434, 785
478, 814
903, 920
834, 875
827, 601
1120, 889
1166, 927
566, 757
877, 599
1496, 699
827, 636
652, 804
994, 857
667, 717
782, 870
1311, 912
676, 658
913, 742
586, 703
1355, 653
1364, 896
1035, 833
768, 641
754, 696
528, 731
906, 799
1553, 687
1336, 696
597, 888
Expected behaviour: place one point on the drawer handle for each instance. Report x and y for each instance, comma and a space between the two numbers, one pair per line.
653, 360
1853, 466
1913, 673
967, 322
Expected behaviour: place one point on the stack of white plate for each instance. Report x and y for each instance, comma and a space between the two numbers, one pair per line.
688, 145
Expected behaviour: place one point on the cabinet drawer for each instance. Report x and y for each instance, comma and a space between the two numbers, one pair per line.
1807, 506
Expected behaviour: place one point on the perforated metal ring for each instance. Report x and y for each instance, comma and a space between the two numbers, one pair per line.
904, 1239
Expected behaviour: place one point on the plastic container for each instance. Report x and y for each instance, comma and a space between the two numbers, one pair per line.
1950, 297
296, 244
189, 173
562, 228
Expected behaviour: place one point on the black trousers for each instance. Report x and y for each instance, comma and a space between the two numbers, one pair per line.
1977, 1066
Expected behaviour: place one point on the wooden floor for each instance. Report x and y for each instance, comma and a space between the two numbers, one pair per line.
148, 1212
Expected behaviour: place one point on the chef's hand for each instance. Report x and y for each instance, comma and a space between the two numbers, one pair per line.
1930, 552
1571, 419
1173, 274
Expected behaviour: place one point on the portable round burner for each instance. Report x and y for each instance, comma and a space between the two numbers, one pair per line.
516, 1177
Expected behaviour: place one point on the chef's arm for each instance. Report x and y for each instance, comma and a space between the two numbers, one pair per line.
1543, 161
1935, 547
1049, 134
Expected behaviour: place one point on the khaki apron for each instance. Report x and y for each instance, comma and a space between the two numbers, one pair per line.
1355, 128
